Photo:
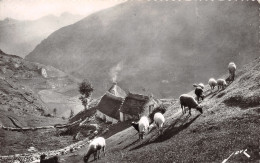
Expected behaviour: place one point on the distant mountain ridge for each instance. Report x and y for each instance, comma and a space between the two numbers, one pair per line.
21, 36
26, 89
154, 47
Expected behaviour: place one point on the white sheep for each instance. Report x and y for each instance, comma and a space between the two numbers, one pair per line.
159, 121
221, 83
143, 125
189, 101
212, 83
94, 148
232, 69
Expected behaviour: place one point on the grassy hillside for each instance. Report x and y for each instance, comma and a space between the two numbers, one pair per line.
14, 96
21, 102
159, 47
230, 122
58, 90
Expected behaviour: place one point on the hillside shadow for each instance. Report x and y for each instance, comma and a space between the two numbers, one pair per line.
218, 93
173, 124
131, 143
169, 132
242, 101
211, 94
116, 128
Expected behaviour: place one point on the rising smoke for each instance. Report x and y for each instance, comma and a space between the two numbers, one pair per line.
114, 71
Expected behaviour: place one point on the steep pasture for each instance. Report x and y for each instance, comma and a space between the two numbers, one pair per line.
228, 124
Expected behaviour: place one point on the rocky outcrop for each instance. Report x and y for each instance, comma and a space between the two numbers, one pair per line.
43, 72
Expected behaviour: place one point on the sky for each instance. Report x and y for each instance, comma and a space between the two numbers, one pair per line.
34, 9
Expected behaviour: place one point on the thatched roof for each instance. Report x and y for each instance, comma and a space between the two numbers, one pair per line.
134, 104
110, 105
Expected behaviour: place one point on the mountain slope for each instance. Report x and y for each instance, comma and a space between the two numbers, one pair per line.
21, 37
158, 47
23, 105
57, 89
229, 123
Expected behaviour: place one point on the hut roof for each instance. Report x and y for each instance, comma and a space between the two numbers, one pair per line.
117, 91
110, 105
134, 104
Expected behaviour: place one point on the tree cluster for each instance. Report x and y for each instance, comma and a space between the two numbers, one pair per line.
85, 89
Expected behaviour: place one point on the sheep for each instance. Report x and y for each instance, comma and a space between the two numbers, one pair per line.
199, 93
212, 83
143, 125
189, 101
221, 83
232, 69
159, 121
94, 148
53, 159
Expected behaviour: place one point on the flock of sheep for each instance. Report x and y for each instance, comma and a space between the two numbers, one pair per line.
142, 126
189, 101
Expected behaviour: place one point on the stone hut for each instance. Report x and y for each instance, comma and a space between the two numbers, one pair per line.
137, 105
110, 103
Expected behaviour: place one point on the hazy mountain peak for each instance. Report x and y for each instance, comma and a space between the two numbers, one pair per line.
21, 37
65, 14
46, 17
9, 21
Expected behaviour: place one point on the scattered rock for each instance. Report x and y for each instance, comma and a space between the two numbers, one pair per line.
32, 149
43, 72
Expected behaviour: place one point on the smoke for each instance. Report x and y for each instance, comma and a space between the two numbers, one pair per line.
115, 70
